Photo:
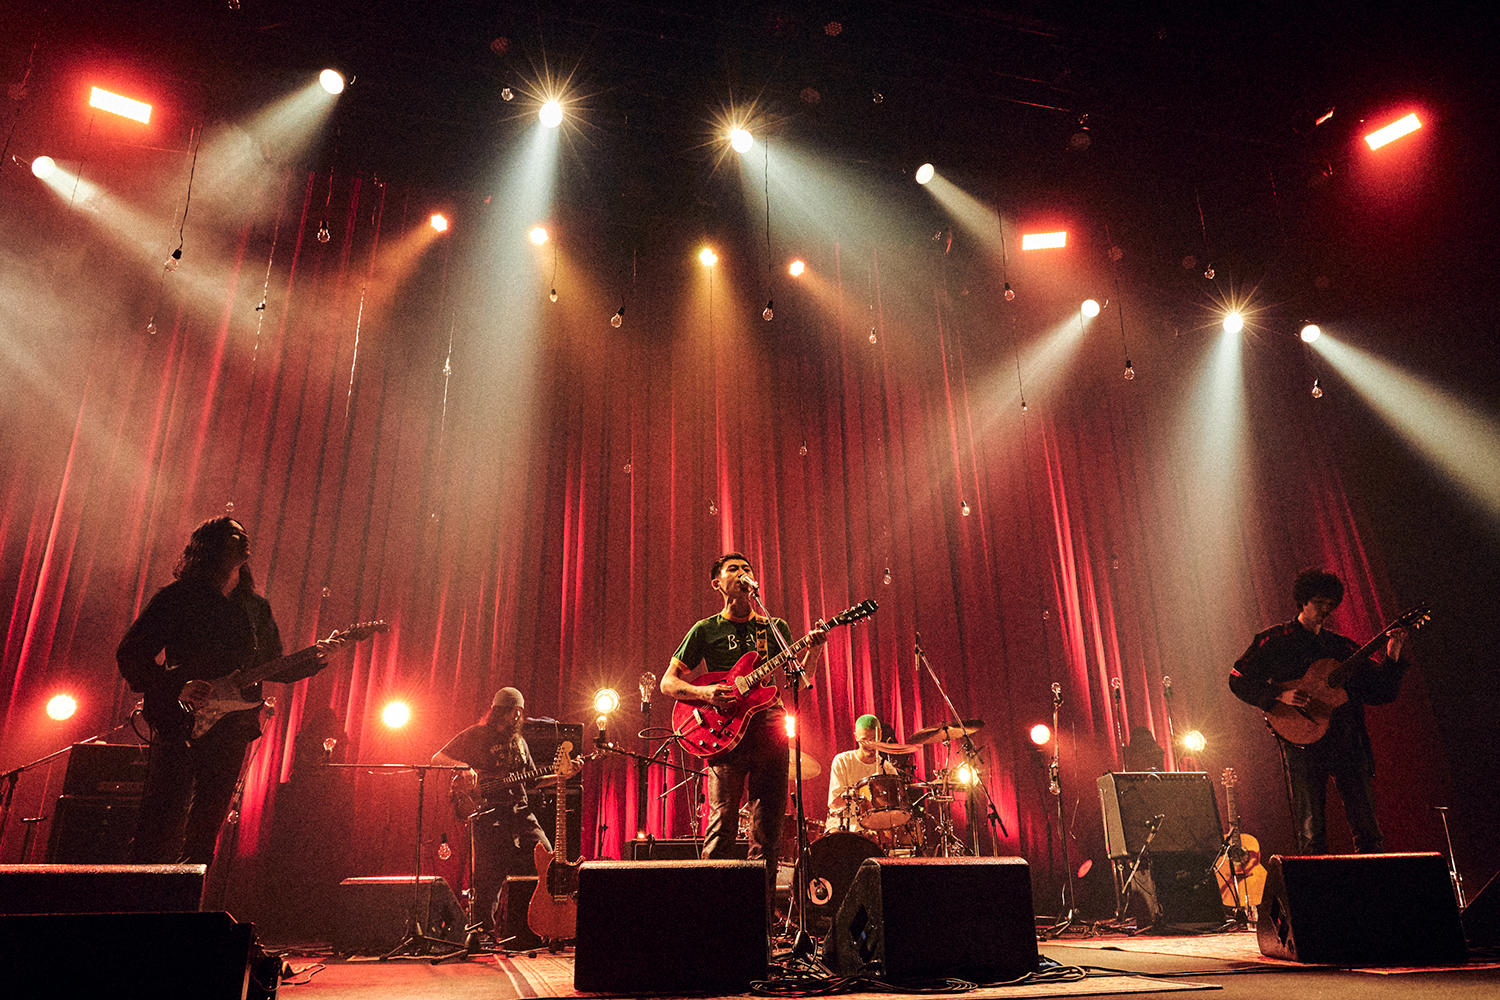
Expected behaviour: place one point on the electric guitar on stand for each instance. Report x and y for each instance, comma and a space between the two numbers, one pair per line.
1241, 876
706, 731
553, 912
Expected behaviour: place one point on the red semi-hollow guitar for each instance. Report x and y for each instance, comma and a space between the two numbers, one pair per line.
706, 731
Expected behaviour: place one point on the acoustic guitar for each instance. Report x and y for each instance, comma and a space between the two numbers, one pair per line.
1324, 683
707, 731
1242, 863
553, 912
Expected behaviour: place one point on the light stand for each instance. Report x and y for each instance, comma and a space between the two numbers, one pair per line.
1069, 916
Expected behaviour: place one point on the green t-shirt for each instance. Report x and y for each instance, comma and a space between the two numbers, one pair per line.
718, 643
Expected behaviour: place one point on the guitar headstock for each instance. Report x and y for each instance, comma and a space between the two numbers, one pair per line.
358, 631
1228, 777
859, 612
1413, 619
563, 764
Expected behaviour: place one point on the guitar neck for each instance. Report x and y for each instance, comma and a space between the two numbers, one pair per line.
770, 666
256, 674
1340, 675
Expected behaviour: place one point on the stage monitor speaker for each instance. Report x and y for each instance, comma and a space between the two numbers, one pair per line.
1482, 916
1360, 909
514, 933
683, 849
105, 769
370, 915
100, 888
653, 927
1174, 891
911, 919
1130, 800
92, 830
208, 956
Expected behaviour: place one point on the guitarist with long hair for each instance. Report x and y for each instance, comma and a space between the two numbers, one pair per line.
1269, 674
758, 762
505, 830
208, 622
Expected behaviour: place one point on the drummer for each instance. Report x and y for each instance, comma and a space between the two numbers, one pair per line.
849, 769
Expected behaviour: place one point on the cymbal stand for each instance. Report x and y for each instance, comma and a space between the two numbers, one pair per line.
948, 843
804, 945
1069, 915
971, 753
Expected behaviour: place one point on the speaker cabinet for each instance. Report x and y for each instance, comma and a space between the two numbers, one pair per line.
1175, 892
105, 769
1130, 800
1360, 909
674, 849
370, 915
209, 956
515, 899
92, 829
100, 888
910, 919
652, 927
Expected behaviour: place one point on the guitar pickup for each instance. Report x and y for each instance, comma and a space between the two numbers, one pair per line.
703, 723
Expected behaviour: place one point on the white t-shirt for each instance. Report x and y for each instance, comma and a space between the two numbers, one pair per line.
846, 771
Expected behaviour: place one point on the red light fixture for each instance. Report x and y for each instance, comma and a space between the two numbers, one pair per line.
1395, 130
119, 104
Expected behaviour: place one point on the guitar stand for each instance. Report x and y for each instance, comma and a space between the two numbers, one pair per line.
1239, 913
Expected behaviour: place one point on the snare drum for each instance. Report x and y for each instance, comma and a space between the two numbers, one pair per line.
883, 802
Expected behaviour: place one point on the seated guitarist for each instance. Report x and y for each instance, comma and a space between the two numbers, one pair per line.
1283, 653
504, 830
209, 622
761, 758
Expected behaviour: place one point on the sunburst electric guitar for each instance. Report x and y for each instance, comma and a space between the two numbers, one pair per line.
553, 912
707, 731
199, 705
1324, 683
1241, 876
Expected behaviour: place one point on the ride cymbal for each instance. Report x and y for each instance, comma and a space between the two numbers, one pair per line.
946, 731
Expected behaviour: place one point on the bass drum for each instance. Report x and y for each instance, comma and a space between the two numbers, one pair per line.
833, 861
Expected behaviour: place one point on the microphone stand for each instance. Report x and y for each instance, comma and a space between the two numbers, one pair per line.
803, 944
971, 753
1166, 694
1069, 916
1121, 923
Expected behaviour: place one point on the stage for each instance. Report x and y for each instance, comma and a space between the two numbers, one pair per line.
1229, 964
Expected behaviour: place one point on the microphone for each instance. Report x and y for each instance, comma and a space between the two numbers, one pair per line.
1056, 693
1155, 821
748, 582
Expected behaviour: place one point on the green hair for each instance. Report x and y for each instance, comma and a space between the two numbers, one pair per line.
867, 722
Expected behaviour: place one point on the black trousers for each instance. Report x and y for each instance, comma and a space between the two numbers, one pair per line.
1307, 772
187, 796
503, 845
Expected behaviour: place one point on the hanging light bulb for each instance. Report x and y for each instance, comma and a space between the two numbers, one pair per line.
1010, 293
618, 318
1317, 390
229, 506
151, 327
506, 94
886, 578
963, 508
173, 262
873, 338
629, 466
802, 448
769, 312
1129, 371
262, 307
445, 849
1023, 406
552, 295
324, 234
1209, 272
713, 509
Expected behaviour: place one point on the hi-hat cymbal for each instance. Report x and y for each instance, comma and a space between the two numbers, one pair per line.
895, 748
810, 766
946, 731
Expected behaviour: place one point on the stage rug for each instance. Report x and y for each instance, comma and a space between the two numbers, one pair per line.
552, 976
1234, 946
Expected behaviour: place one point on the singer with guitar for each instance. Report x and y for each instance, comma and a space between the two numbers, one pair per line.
505, 830
758, 760
209, 622
1280, 669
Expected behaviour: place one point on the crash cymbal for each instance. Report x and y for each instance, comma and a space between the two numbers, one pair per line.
946, 731
895, 748
810, 766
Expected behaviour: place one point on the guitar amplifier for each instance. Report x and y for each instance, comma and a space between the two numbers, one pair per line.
1129, 800
544, 737
105, 769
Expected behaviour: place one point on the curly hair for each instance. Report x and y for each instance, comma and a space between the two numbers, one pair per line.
201, 554
1313, 582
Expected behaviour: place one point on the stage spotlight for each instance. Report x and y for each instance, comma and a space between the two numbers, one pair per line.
966, 775
1393, 131
1041, 734
61, 706
925, 173
606, 700
1310, 333
395, 714
796, 268
1233, 322
740, 140
118, 104
1043, 241
550, 114
438, 222
43, 167
1090, 308
790, 724
538, 235
707, 257
1193, 741
332, 81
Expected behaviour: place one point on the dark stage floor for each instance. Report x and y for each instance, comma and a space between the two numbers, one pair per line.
1227, 964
